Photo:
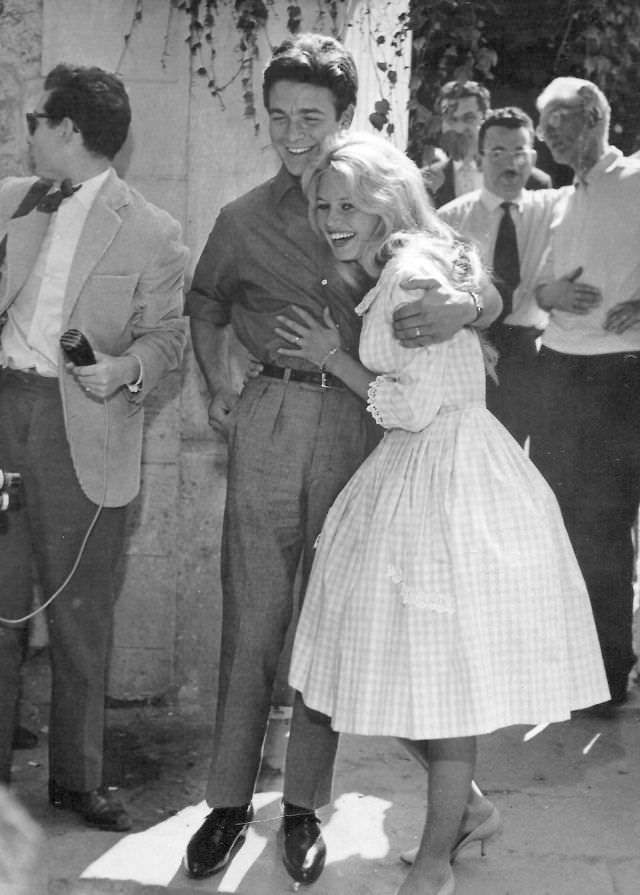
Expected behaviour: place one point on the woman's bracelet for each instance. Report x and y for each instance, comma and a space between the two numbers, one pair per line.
329, 354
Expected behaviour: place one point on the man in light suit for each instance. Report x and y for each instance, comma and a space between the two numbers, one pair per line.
98, 258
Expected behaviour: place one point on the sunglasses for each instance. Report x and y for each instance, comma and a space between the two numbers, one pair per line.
32, 121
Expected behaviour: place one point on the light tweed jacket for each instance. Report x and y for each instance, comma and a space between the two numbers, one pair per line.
125, 293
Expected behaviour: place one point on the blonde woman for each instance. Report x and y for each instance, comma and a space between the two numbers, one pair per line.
445, 600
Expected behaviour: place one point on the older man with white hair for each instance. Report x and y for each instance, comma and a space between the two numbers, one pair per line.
585, 440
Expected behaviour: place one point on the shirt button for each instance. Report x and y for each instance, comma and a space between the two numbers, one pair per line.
323, 282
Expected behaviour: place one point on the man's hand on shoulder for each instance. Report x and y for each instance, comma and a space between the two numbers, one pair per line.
435, 316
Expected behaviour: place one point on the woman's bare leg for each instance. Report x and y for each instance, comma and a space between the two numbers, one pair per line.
478, 807
451, 768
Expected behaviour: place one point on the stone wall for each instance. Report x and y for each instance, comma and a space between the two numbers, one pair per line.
190, 153
20, 53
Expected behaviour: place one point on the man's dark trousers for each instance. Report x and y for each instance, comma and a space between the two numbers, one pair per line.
512, 400
586, 442
49, 529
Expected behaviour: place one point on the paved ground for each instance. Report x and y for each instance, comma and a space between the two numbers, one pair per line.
570, 798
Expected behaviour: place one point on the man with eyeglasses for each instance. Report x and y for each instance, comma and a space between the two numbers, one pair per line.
455, 168
511, 225
85, 252
586, 437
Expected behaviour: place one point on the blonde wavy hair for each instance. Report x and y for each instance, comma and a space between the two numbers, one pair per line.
383, 181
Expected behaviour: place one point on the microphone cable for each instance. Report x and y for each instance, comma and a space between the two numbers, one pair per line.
92, 524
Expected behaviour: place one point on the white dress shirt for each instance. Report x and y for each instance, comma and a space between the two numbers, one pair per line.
467, 176
477, 216
597, 227
30, 338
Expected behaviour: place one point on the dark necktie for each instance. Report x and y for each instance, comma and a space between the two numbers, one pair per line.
51, 201
506, 262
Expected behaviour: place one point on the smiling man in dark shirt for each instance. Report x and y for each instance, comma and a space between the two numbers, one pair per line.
296, 435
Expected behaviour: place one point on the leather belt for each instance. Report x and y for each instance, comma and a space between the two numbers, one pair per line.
515, 332
321, 379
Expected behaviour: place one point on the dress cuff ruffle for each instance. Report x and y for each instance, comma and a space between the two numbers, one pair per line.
372, 392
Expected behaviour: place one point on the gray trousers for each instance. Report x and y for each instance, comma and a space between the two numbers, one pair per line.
48, 531
292, 449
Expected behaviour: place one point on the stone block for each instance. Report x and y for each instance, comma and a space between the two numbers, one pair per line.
199, 599
626, 875
195, 402
169, 194
141, 664
162, 421
154, 50
138, 674
151, 518
145, 612
156, 150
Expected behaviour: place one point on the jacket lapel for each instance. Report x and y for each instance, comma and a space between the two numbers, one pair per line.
24, 241
99, 231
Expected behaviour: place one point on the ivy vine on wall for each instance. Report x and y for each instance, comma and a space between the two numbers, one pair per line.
516, 48
250, 18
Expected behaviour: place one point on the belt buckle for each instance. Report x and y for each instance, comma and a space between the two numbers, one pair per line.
323, 380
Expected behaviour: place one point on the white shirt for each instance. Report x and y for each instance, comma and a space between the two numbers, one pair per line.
30, 337
477, 216
466, 177
596, 226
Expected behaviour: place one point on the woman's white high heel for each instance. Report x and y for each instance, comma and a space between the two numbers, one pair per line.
487, 829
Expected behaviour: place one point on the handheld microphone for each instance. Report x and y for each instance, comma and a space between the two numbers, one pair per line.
77, 348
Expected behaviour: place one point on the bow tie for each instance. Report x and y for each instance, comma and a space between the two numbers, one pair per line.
50, 203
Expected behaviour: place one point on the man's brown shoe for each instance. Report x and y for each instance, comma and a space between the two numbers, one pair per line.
97, 807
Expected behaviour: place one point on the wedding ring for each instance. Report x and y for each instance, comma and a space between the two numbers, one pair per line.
417, 332
297, 340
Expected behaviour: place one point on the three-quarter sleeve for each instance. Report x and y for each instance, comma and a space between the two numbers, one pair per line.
410, 398
409, 393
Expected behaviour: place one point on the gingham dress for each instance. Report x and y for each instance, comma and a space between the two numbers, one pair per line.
445, 599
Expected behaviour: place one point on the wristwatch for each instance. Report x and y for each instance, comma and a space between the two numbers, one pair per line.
134, 387
476, 298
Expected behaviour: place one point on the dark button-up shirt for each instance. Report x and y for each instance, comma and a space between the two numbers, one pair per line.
261, 258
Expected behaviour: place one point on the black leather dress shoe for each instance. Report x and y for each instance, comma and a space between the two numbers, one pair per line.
23, 738
216, 842
97, 807
303, 848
